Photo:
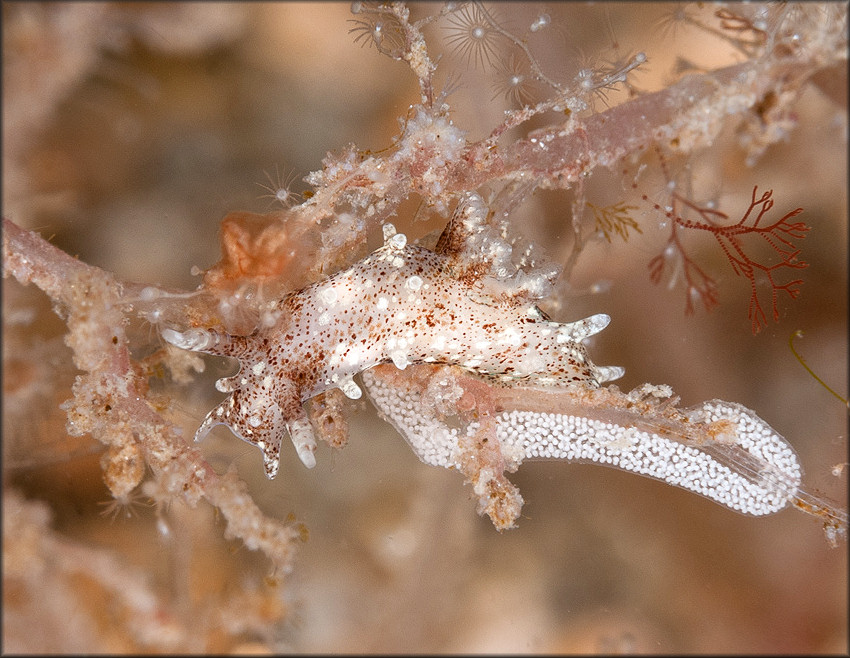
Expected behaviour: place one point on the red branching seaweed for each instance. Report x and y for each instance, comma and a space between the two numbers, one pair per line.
780, 235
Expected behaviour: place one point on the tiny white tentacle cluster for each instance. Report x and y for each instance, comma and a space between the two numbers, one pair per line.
467, 306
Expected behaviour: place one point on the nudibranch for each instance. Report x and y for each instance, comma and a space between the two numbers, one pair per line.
402, 304
466, 305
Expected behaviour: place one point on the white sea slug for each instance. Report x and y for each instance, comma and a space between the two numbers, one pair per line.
402, 304
467, 305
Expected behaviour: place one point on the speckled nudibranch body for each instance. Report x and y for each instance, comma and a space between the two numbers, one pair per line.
402, 304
